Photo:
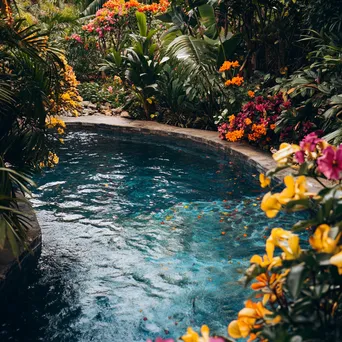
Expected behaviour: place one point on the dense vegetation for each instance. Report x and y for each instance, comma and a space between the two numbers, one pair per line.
268, 72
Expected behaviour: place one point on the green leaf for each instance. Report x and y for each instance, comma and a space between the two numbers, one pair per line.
336, 100
300, 225
228, 48
142, 23
208, 19
295, 279
3, 228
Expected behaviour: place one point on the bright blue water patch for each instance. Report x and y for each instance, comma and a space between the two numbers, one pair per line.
133, 244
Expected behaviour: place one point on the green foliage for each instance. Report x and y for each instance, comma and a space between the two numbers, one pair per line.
316, 89
83, 56
30, 80
99, 93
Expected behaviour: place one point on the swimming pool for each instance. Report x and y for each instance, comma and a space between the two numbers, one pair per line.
140, 239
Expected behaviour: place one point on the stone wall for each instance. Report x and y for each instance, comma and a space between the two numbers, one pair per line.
12, 272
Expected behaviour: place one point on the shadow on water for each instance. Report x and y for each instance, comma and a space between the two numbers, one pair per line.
38, 308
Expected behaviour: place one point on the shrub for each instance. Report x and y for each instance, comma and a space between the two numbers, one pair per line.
105, 92
256, 121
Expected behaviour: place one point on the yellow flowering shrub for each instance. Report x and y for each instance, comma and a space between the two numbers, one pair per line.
69, 99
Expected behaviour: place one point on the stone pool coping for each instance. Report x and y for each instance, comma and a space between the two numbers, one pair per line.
260, 160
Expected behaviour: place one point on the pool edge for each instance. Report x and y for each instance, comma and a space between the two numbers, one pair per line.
256, 158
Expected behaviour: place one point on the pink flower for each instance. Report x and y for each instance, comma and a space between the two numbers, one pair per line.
300, 157
216, 339
330, 164
110, 89
260, 107
309, 142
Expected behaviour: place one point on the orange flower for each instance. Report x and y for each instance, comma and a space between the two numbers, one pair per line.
271, 286
273, 126
258, 132
225, 66
248, 121
237, 80
251, 93
235, 64
235, 135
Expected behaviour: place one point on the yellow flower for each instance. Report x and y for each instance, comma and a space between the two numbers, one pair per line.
322, 242
247, 318
248, 121
61, 123
192, 336
337, 261
295, 189
264, 181
286, 241
60, 130
270, 205
286, 151
265, 261
261, 261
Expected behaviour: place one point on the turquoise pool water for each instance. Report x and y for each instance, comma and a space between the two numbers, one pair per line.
139, 240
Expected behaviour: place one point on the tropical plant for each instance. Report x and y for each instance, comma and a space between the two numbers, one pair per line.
31, 73
100, 93
316, 90
139, 68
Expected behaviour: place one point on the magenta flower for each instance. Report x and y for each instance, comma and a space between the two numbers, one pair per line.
216, 339
159, 339
300, 157
330, 164
309, 142
260, 107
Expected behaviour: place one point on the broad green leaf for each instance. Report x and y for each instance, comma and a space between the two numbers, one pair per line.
295, 279
142, 23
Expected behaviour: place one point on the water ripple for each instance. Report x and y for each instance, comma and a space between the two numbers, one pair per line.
140, 240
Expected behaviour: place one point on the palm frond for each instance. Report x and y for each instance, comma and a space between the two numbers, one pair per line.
92, 7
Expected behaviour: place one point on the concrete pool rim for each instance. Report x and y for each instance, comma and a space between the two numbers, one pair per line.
259, 160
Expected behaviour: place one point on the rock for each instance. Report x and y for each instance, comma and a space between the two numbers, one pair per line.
90, 105
117, 110
107, 112
125, 114
85, 103
87, 111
